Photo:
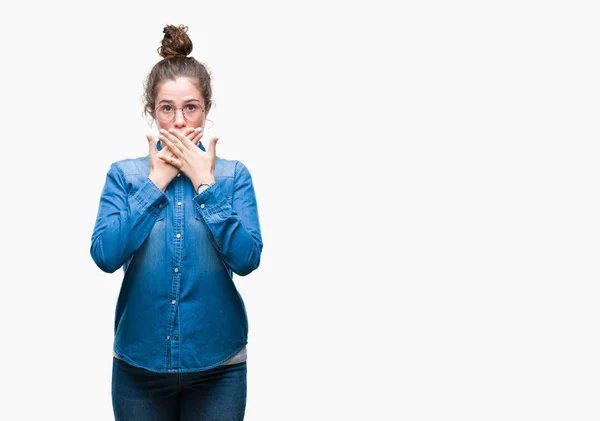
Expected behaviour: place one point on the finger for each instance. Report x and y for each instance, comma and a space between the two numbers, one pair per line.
166, 151
192, 134
186, 143
171, 136
175, 150
212, 146
188, 131
178, 139
197, 136
170, 160
151, 144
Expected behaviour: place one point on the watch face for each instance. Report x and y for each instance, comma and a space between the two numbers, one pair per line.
202, 188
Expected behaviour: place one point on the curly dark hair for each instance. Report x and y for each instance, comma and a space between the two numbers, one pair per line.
175, 48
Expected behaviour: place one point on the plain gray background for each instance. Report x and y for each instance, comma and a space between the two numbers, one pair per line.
427, 179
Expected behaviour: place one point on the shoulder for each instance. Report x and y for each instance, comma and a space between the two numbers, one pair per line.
131, 166
230, 168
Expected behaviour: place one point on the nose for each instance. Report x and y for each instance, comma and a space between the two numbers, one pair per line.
179, 119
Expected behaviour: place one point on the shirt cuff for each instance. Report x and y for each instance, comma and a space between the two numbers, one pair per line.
211, 201
151, 198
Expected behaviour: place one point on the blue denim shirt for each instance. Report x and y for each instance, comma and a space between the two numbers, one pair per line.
178, 309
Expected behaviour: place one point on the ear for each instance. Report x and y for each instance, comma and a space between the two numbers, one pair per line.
208, 105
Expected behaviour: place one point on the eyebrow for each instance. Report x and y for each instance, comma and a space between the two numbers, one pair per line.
187, 101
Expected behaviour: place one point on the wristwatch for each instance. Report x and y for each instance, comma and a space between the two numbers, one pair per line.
202, 187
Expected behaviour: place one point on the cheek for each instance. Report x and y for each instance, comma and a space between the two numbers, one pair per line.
197, 123
165, 126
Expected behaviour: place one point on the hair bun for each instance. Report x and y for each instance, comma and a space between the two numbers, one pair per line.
175, 42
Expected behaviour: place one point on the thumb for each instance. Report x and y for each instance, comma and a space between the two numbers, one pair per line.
212, 146
151, 145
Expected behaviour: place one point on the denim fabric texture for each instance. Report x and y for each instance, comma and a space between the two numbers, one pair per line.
212, 395
178, 309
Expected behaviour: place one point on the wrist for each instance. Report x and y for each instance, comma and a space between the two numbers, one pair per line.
199, 181
161, 184
202, 187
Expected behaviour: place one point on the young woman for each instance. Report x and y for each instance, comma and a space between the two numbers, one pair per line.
180, 222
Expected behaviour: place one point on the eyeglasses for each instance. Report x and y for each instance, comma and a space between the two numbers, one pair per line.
165, 113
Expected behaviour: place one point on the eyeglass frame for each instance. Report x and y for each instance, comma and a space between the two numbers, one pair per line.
178, 108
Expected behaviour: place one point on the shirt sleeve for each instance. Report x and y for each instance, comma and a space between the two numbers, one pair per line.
234, 225
126, 215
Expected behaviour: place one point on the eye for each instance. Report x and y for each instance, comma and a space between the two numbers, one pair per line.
166, 108
191, 107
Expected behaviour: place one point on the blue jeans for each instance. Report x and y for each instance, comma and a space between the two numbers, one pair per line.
142, 395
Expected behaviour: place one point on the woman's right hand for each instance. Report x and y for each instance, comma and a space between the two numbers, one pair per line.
162, 173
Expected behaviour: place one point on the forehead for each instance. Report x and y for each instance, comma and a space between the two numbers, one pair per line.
180, 89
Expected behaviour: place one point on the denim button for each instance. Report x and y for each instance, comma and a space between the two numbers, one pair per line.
173, 302
160, 206
176, 270
178, 236
168, 337
178, 174
179, 203
202, 206
176, 337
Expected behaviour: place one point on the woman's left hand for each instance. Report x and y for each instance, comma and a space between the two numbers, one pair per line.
198, 165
